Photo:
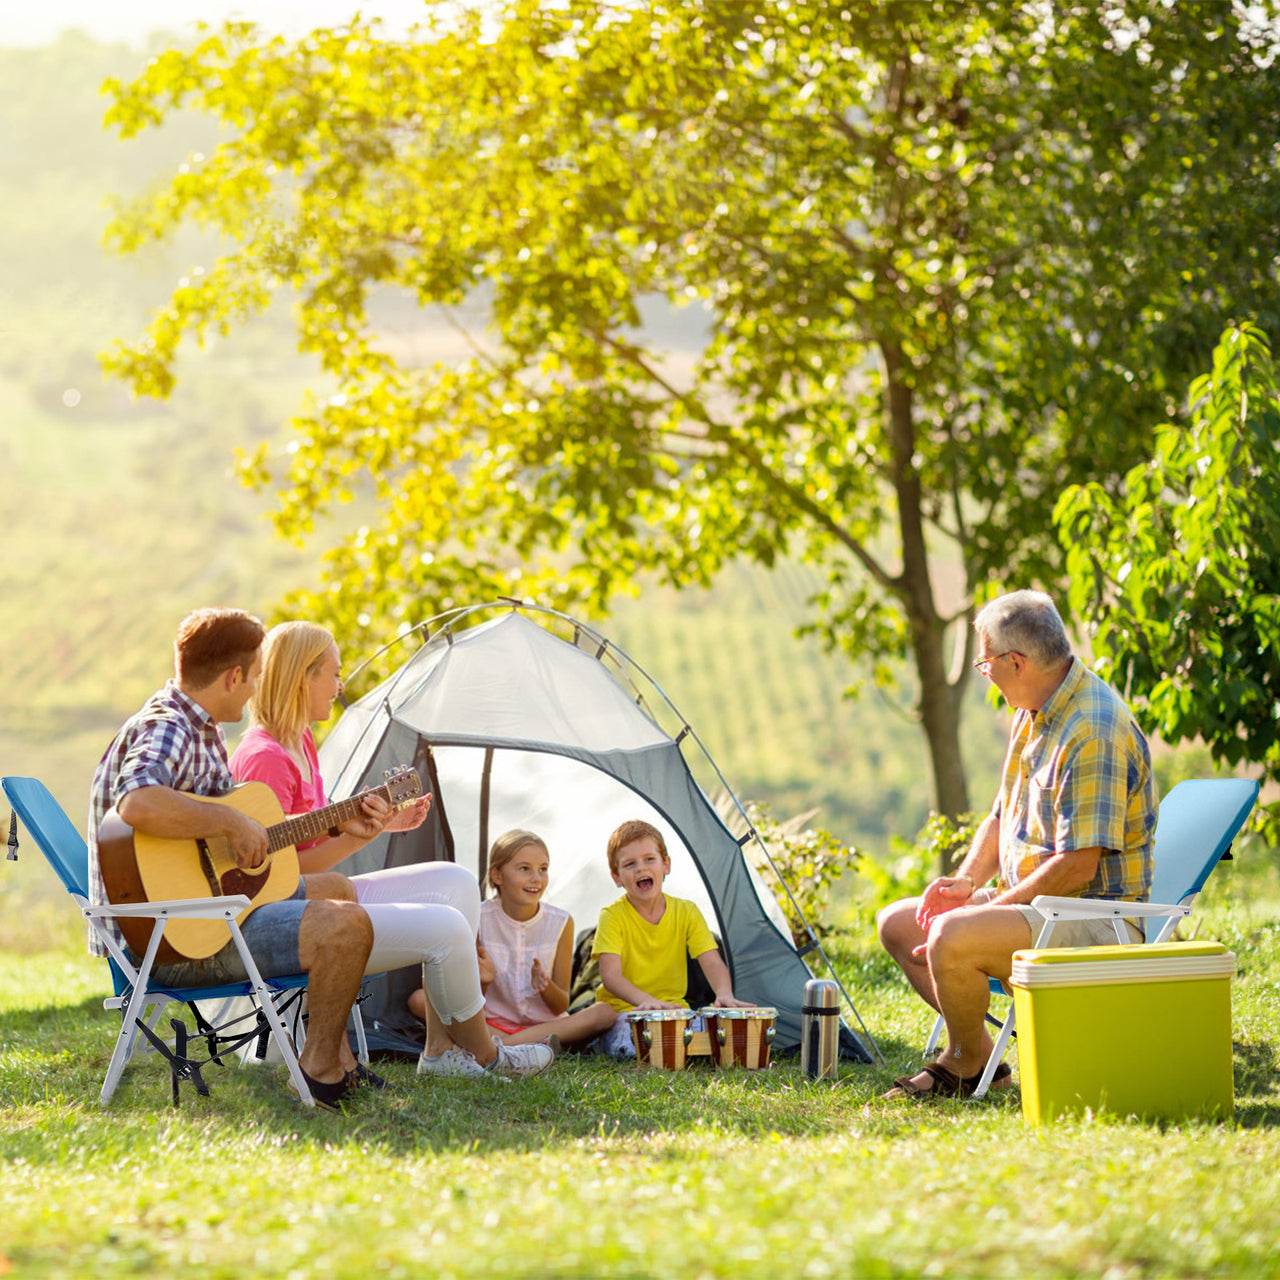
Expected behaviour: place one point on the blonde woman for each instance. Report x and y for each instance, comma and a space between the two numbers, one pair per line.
424, 913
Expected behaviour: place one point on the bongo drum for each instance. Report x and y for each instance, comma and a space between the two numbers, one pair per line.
740, 1037
661, 1036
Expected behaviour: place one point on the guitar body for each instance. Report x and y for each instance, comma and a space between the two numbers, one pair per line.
138, 867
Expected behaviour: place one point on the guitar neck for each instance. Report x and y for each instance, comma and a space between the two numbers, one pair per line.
306, 827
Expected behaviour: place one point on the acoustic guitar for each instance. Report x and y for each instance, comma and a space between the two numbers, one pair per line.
137, 867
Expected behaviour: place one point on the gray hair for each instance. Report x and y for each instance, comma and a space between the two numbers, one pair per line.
1025, 622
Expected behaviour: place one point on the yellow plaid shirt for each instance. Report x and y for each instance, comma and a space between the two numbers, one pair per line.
1078, 776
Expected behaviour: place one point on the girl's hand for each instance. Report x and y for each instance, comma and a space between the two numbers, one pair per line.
649, 1002
732, 1002
539, 977
487, 970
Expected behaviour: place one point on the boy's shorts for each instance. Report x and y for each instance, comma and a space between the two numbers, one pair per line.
617, 1041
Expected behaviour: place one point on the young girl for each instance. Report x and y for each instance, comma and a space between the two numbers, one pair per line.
526, 952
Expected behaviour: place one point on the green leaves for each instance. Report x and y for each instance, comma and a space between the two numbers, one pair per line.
871, 283
1177, 574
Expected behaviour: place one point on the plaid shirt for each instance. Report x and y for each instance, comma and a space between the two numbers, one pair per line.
1078, 776
171, 742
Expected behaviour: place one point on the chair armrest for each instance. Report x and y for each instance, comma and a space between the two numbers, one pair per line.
194, 908
1102, 908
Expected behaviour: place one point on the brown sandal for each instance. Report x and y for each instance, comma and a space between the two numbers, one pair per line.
945, 1084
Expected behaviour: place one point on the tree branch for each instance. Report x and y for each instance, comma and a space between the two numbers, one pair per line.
735, 445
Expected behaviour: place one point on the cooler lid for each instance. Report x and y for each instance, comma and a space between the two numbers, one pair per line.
1135, 951
1105, 966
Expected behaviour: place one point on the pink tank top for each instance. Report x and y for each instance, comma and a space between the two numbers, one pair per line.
513, 945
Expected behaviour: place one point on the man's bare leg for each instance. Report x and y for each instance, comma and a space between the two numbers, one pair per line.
902, 938
334, 941
964, 949
333, 885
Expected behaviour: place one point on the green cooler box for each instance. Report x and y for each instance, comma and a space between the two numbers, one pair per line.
1137, 1030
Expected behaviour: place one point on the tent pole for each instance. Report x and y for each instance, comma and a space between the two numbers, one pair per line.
482, 854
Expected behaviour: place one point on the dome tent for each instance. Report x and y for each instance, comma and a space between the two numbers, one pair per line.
510, 725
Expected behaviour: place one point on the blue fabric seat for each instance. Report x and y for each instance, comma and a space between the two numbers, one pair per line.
141, 999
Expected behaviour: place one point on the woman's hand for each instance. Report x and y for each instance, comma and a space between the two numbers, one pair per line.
413, 815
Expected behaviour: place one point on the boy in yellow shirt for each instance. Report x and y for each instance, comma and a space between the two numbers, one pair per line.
642, 939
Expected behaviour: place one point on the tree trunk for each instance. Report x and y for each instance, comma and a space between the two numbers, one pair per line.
939, 707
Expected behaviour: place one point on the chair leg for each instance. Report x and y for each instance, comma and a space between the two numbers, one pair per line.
997, 1055
362, 1043
935, 1035
131, 1019
268, 1007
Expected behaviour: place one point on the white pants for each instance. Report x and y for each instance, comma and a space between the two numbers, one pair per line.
427, 913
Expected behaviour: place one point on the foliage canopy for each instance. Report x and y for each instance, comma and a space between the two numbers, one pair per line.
944, 257
1177, 574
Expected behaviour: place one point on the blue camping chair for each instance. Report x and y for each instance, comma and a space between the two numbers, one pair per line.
1198, 820
140, 997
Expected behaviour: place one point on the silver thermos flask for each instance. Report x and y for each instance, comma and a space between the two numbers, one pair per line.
819, 1029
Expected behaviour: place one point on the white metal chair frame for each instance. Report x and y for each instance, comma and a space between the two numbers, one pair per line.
142, 1000
1054, 909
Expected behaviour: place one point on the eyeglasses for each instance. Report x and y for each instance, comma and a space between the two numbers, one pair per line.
984, 664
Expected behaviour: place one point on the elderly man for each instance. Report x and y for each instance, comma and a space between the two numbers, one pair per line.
1075, 814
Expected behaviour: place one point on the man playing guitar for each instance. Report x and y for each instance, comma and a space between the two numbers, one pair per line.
155, 773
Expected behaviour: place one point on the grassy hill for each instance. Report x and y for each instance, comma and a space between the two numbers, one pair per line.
121, 516
119, 524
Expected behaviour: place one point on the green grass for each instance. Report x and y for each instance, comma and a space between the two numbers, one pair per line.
596, 1169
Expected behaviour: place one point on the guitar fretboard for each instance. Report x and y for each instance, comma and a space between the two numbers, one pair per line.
305, 827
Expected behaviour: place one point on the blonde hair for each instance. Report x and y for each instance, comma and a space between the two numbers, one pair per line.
629, 832
292, 652
506, 846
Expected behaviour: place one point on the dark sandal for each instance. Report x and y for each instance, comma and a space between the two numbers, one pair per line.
946, 1084
331, 1096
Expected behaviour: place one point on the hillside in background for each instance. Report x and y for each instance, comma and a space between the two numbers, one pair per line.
121, 516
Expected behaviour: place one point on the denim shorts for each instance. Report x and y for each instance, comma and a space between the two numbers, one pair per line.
271, 933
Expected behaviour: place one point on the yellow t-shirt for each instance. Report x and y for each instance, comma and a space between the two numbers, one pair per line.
653, 955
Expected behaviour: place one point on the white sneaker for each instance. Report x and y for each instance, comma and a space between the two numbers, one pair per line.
454, 1061
521, 1059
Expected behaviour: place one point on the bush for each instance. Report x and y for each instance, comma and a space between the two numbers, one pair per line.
808, 860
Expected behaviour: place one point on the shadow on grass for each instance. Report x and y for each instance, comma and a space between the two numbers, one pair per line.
1257, 1085
52, 1063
